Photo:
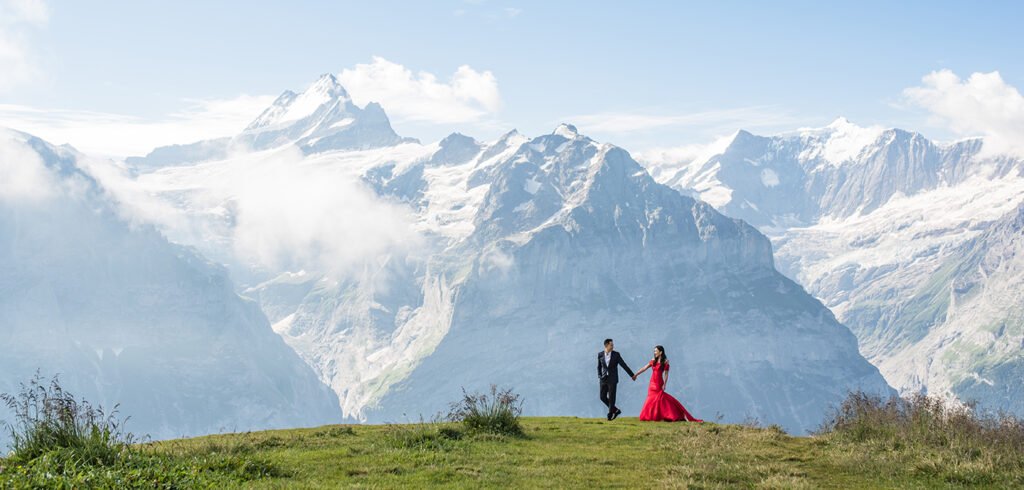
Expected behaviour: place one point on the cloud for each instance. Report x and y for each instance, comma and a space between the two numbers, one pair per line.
292, 217
23, 176
268, 212
123, 135
663, 163
18, 18
982, 105
469, 96
625, 122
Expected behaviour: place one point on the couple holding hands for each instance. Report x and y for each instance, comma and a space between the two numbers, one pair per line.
659, 406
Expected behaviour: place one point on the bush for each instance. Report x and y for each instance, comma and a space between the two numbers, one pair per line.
47, 418
958, 443
495, 413
59, 441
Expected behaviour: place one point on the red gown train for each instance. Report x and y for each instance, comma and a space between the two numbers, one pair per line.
661, 406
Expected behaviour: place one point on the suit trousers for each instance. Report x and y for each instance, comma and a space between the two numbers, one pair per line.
608, 395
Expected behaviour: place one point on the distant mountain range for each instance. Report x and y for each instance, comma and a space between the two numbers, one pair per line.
910, 242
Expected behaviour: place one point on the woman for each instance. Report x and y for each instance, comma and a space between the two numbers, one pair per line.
661, 405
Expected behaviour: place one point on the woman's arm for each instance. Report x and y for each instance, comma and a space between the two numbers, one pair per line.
664, 376
638, 373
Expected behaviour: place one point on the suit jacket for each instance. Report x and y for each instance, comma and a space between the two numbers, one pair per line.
610, 373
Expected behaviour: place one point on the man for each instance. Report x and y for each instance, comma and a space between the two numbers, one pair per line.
608, 362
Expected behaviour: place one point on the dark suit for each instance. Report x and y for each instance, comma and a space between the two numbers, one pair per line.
608, 374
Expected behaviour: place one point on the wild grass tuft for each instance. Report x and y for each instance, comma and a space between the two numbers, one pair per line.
59, 441
948, 441
48, 418
496, 412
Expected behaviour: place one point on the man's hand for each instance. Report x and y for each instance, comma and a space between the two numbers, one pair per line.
634, 377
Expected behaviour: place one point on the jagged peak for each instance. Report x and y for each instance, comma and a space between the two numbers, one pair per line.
328, 84
291, 106
840, 122
566, 130
457, 138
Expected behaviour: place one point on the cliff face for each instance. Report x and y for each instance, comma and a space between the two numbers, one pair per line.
123, 316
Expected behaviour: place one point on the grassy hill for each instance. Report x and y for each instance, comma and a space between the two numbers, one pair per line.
871, 443
555, 453
558, 453
591, 453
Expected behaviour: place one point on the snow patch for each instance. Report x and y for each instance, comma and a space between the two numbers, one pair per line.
769, 178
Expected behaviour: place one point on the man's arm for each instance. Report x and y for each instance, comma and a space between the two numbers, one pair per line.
598, 365
624, 366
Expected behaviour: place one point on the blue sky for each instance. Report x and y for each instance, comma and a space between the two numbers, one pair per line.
639, 74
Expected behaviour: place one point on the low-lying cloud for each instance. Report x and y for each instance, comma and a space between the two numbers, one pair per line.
291, 216
268, 212
23, 176
122, 135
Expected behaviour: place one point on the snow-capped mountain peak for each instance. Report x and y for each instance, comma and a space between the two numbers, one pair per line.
567, 131
838, 143
290, 107
320, 118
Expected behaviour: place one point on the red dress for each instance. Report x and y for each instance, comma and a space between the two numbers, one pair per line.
661, 405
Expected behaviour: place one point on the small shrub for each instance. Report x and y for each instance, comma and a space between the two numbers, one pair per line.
956, 442
48, 418
62, 442
496, 412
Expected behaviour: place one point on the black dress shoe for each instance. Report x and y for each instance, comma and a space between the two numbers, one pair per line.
616, 414
611, 416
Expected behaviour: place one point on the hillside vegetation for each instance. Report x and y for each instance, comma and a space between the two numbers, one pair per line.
869, 443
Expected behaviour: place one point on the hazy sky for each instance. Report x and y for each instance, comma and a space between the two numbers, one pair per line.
123, 76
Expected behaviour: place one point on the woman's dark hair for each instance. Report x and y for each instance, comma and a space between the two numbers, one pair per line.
662, 358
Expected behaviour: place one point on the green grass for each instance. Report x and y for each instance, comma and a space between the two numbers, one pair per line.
554, 453
869, 442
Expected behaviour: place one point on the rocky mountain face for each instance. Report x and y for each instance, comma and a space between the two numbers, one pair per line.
877, 223
529, 252
574, 242
124, 316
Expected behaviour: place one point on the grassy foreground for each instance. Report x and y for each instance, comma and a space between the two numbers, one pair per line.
869, 442
572, 453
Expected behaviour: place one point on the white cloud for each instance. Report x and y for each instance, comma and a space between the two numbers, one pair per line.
982, 105
23, 177
625, 122
18, 18
664, 162
271, 211
291, 217
469, 96
123, 135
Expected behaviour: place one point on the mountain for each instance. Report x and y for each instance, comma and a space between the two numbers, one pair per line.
879, 224
838, 171
322, 117
530, 252
124, 316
